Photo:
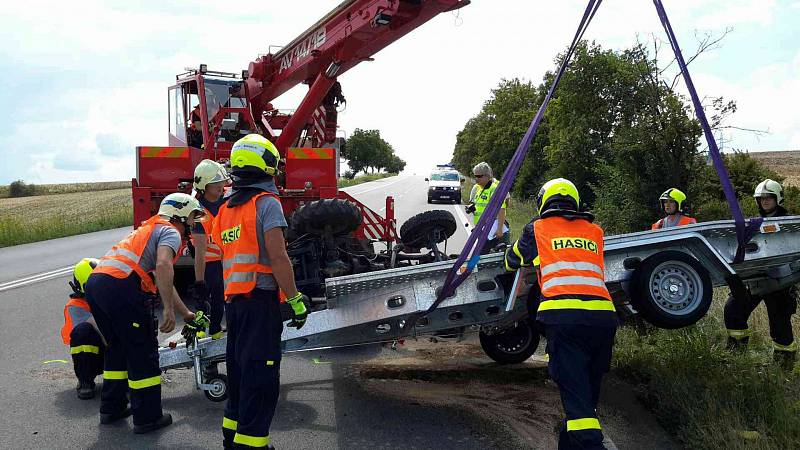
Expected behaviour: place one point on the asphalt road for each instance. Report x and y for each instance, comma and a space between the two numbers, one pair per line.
321, 406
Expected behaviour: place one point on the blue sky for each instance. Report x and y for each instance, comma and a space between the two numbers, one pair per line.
84, 83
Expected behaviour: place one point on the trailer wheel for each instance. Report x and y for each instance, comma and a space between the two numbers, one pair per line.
671, 290
436, 225
512, 346
334, 216
219, 389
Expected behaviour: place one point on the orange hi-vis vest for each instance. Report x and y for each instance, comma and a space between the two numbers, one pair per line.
125, 256
236, 234
571, 270
681, 222
213, 252
76, 311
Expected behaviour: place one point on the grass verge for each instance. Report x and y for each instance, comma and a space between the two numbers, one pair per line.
33, 219
346, 182
707, 396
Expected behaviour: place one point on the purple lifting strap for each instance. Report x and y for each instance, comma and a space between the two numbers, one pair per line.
472, 248
744, 232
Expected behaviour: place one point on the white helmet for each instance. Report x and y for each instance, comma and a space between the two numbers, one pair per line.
769, 187
209, 171
179, 206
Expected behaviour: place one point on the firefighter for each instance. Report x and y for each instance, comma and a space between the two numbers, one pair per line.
672, 204
80, 332
780, 304
486, 185
195, 135
210, 179
121, 295
575, 307
249, 230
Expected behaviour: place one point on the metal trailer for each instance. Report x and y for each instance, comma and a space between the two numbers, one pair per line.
666, 276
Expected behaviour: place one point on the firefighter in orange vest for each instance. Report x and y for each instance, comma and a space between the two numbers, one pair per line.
575, 307
249, 230
672, 202
80, 332
210, 179
121, 294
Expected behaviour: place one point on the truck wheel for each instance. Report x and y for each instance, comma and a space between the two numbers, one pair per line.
435, 224
671, 290
333, 216
219, 390
512, 346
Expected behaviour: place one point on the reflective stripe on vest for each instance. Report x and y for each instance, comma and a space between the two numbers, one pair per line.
213, 252
124, 257
76, 311
571, 266
482, 198
234, 231
683, 220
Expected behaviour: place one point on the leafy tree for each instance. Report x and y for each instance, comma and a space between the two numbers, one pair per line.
20, 189
367, 150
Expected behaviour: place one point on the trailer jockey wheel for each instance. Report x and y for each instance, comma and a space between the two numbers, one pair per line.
427, 229
671, 290
333, 217
219, 389
512, 346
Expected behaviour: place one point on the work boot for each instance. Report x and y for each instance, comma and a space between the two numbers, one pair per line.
783, 359
161, 422
85, 389
109, 418
739, 344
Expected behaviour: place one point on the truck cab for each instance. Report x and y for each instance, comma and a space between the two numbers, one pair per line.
444, 185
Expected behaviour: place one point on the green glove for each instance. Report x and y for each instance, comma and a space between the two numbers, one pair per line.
200, 323
299, 310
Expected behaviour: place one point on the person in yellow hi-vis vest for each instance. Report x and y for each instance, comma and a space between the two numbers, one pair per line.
482, 192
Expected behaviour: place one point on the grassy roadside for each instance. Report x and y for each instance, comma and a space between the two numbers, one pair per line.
33, 219
66, 188
708, 397
704, 395
346, 182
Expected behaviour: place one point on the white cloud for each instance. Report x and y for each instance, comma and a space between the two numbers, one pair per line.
419, 91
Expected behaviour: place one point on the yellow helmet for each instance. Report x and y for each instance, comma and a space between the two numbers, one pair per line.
558, 193
254, 153
675, 195
80, 274
207, 172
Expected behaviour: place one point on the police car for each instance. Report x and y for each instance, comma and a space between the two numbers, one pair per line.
444, 185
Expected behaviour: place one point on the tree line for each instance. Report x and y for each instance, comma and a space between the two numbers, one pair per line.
366, 150
616, 128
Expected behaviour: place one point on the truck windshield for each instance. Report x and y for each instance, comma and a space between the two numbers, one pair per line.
218, 95
445, 176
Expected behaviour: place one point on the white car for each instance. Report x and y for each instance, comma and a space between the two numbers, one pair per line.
444, 185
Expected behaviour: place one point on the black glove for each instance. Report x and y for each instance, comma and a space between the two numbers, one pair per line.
470, 208
200, 294
300, 304
199, 323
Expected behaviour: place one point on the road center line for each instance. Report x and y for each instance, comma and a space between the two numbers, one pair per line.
35, 278
466, 223
379, 186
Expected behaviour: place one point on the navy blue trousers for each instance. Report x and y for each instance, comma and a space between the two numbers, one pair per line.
125, 317
253, 365
216, 291
87, 351
579, 357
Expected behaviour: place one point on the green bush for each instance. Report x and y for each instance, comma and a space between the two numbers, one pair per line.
20, 189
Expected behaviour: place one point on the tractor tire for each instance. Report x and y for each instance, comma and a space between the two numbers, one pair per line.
671, 290
334, 216
436, 223
513, 346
